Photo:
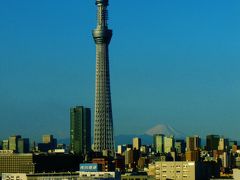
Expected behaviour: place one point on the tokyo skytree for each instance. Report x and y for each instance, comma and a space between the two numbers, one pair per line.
103, 121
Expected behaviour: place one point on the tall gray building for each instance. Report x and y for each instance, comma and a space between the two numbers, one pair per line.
103, 122
80, 130
23, 145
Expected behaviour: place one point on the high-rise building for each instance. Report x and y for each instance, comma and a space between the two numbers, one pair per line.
47, 138
169, 144
128, 154
48, 143
231, 143
223, 144
121, 149
80, 130
225, 159
23, 145
137, 143
192, 155
158, 142
13, 142
212, 142
193, 143
180, 146
5, 144
103, 122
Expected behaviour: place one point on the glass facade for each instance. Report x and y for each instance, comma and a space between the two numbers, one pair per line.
80, 130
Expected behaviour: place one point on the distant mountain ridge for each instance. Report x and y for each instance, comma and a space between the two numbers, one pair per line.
146, 137
120, 139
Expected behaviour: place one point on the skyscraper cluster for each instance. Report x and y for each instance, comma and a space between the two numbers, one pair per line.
16, 143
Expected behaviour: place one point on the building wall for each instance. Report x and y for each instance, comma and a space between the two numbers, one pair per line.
212, 142
193, 155
56, 162
37, 163
158, 143
121, 149
47, 138
236, 174
136, 143
5, 145
23, 145
128, 157
223, 144
177, 170
14, 176
16, 163
193, 143
99, 175
180, 146
60, 176
168, 144
53, 176
189, 143
137, 177
80, 130
13, 142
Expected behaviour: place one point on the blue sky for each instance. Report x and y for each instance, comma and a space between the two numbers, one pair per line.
172, 62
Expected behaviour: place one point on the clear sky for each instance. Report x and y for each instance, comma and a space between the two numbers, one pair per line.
171, 62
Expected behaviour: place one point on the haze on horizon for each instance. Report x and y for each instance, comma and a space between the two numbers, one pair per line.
171, 62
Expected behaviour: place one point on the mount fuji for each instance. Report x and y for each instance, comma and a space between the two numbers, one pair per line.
166, 130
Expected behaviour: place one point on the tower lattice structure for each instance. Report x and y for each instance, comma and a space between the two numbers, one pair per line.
103, 121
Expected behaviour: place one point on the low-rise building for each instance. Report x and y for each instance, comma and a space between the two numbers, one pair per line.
37, 163
236, 174
14, 176
136, 176
62, 175
177, 170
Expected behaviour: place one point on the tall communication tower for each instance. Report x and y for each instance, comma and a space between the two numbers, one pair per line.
103, 121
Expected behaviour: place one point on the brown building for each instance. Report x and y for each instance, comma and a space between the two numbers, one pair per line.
192, 155
119, 162
193, 143
234, 148
106, 163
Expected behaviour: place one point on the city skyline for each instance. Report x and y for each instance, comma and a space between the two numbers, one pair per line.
178, 60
